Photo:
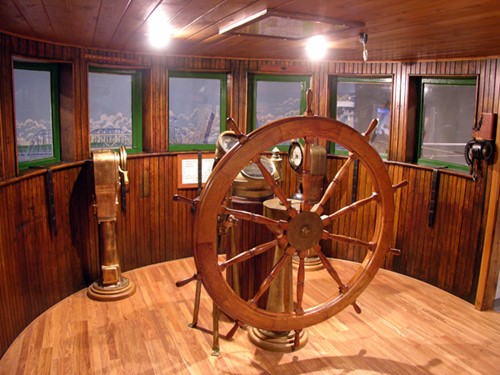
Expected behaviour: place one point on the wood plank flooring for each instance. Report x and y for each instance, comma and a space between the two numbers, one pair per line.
407, 327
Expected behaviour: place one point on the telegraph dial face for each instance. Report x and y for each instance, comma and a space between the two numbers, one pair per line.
227, 141
295, 155
252, 170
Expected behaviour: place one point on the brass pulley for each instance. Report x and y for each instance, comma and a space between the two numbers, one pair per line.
122, 169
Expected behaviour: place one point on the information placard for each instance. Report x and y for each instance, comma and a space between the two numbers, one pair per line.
188, 169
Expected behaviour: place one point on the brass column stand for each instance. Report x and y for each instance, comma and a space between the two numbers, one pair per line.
280, 295
316, 177
111, 285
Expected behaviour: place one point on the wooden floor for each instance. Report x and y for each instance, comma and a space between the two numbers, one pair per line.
407, 327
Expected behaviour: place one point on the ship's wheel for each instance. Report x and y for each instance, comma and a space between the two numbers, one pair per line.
304, 232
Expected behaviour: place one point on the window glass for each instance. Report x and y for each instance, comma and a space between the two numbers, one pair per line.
359, 100
447, 117
36, 113
197, 110
276, 97
115, 110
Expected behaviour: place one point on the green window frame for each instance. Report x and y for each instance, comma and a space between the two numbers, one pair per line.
99, 104
254, 116
459, 128
196, 110
381, 108
24, 104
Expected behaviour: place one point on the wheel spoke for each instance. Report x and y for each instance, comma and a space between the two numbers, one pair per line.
255, 218
371, 127
269, 278
348, 240
354, 206
275, 187
299, 310
320, 206
350, 208
257, 250
333, 273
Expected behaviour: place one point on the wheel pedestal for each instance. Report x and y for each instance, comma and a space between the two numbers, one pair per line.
280, 295
312, 263
282, 342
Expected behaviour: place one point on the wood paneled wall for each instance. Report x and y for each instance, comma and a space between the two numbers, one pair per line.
39, 268
446, 253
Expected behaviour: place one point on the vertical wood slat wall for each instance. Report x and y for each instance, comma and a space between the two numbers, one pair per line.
38, 268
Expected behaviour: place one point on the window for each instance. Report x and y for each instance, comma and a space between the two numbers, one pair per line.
115, 108
356, 101
36, 101
447, 112
275, 97
197, 110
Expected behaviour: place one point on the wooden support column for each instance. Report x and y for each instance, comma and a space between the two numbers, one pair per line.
490, 263
8, 150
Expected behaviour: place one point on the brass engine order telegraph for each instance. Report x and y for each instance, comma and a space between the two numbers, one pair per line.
110, 174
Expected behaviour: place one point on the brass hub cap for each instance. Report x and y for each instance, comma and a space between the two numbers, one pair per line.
305, 230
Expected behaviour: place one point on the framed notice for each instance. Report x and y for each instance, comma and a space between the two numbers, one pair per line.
188, 170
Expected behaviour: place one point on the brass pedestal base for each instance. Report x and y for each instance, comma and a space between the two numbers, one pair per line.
310, 263
277, 341
121, 290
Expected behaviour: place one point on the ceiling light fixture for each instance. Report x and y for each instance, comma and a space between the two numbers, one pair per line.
316, 47
363, 38
160, 30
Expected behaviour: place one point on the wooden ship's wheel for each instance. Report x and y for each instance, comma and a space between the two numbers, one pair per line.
304, 232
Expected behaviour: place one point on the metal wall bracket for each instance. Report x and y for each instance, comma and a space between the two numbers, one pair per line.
434, 195
355, 176
51, 203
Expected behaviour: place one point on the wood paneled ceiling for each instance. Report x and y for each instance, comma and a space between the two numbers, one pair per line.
397, 30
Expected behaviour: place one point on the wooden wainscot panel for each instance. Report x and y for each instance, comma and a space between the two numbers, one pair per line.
446, 253
490, 262
39, 266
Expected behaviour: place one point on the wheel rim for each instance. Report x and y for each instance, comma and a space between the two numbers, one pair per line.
213, 196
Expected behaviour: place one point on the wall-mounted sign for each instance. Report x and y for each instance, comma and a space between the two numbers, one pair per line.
188, 171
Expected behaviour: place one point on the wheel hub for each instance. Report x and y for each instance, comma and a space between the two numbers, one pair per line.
305, 230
